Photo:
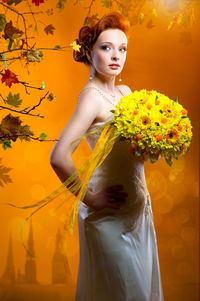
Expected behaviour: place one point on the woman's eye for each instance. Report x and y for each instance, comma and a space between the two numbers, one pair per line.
124, 49
104, 47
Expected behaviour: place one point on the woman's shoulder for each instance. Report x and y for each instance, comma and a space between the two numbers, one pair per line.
124, 89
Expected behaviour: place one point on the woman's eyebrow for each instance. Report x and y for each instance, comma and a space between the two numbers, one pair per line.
112, 43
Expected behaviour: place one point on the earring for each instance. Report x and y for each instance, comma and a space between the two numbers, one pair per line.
90, 78
120, 79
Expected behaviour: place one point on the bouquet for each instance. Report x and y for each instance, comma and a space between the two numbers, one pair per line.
155, 124
150, 120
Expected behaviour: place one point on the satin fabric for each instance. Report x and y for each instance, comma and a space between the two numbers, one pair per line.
118, 248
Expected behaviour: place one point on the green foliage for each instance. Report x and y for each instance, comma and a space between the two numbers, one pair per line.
4, 60
6, 144
106, 3
10, 2
43, 136
2, 22
169, 161
61, 4
14, 100
43, 85
137, 153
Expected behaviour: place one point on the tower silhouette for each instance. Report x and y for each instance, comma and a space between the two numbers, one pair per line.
60, 267
30, 265
9, 272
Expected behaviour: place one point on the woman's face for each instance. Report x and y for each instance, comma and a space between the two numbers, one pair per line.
110, 48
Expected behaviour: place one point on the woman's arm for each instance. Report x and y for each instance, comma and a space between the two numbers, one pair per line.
87, 109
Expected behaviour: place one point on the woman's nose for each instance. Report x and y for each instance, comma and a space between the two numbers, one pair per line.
115, 55
115, 58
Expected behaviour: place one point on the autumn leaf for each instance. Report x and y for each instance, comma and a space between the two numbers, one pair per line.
61, 4
154, 12
24, 130
11, 128
106, 3
51, 97
185, 38
43, 136
90, 21
141, 18
49, 29
9, 30
4, 177
34, 55
9, 78
49, 11
10, 2
37, 2
14, 100
2, 22
150, 24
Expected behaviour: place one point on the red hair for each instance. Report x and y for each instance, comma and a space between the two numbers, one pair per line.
88, 35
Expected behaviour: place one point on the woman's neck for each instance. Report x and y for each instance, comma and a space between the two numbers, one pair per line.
106, 84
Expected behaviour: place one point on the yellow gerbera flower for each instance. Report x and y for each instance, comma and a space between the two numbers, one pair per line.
172, 136
145, 121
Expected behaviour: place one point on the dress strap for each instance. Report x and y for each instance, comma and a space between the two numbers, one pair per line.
121, 90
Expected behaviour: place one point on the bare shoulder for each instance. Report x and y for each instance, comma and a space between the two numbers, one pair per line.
90, 94
125, 89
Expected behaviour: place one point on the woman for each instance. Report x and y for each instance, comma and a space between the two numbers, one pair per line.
118, 247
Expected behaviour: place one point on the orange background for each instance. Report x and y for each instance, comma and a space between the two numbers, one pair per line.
155, 60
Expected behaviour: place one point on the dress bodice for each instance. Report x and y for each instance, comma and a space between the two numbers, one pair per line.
120, 167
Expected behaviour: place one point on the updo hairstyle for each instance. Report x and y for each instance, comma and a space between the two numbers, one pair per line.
88, 35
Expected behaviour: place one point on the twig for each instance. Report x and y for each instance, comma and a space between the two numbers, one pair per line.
26, 135
24, 111
19, 14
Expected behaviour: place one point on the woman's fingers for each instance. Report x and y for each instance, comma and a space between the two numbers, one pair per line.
114, 188
117, 194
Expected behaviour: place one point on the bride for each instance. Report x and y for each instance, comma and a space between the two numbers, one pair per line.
118, 246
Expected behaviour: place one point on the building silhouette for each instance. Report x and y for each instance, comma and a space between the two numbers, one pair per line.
9, 272
60, 266
30, 264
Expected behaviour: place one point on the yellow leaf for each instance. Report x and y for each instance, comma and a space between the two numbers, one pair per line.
171, 24
75, 46
154, 12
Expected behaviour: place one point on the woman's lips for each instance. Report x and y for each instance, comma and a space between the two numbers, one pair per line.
114, 66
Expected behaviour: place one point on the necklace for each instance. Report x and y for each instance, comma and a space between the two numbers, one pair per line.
102, 93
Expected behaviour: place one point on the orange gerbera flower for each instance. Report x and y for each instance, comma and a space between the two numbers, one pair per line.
149, 107
121, 112
159, 137
164, 120
184, 112
135, 112
138, 136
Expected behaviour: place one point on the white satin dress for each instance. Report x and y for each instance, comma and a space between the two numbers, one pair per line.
118, 247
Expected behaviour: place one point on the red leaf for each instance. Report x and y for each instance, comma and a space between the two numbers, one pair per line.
37, 2
9, 78
49, 29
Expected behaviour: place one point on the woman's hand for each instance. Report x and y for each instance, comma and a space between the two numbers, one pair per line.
110, 197
146, 157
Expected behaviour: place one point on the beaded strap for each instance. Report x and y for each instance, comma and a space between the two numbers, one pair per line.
100, 93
